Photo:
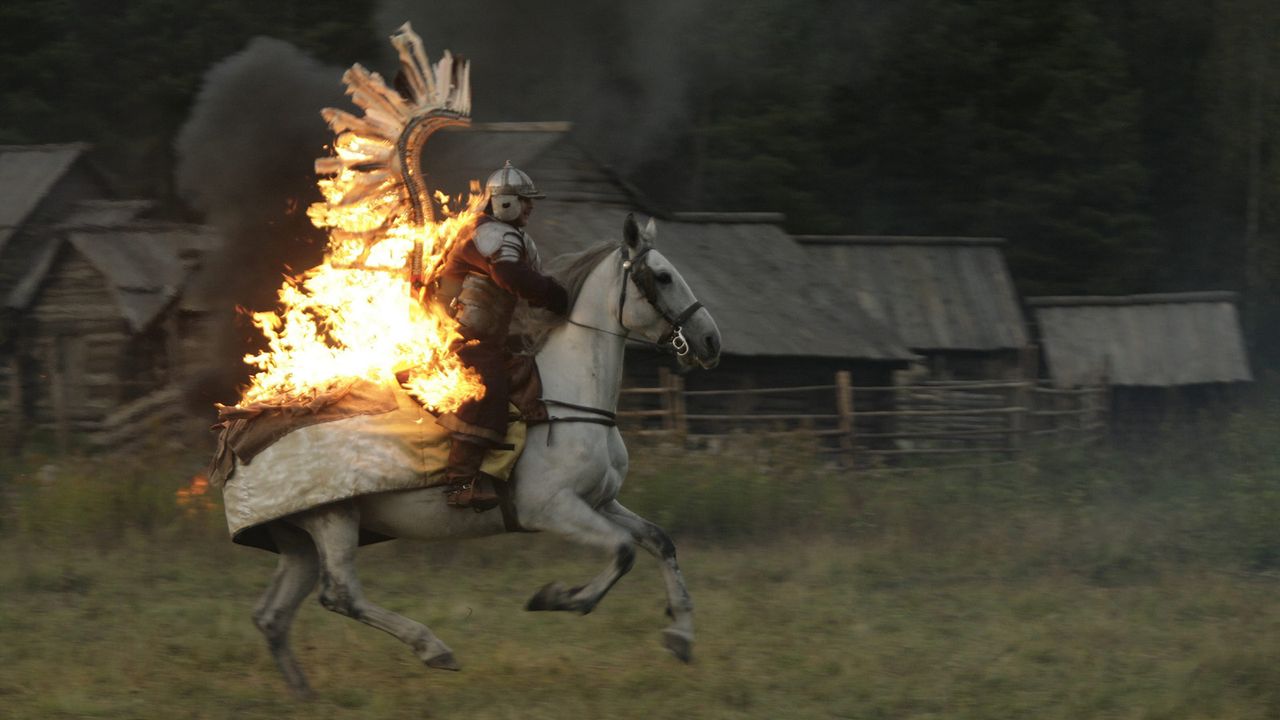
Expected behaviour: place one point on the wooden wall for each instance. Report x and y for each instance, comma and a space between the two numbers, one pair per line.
76, 359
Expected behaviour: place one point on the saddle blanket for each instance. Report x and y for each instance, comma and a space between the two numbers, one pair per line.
272, 462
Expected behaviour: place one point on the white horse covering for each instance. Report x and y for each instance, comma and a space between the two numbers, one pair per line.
397, 450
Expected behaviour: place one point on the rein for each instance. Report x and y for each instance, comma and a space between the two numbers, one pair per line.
673, 341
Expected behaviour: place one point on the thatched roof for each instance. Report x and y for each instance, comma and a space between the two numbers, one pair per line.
937, 293
1142, 340
145, 265
27, 174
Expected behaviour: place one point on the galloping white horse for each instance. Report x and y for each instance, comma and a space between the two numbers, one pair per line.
568, 486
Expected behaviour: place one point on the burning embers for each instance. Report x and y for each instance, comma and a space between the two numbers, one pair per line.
360, 314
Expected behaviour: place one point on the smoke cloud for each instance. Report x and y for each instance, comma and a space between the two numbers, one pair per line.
245, 162
620, 72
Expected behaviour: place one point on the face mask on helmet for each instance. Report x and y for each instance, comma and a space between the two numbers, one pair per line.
505, 207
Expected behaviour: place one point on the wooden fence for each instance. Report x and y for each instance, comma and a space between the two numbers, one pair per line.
878, 426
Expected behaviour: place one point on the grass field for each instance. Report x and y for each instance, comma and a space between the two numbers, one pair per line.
1137, 584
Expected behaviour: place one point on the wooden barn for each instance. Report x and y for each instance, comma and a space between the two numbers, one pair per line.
1160, 353
99, 326
951, 300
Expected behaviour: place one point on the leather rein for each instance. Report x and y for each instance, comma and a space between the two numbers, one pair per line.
672, 341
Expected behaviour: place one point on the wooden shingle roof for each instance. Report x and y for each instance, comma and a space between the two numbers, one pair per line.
754, 279
144, 265
1142, 340
560, 167
27, 174
750, 274
937, 293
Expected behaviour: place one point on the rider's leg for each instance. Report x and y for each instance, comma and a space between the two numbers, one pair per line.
467, 488
485, 423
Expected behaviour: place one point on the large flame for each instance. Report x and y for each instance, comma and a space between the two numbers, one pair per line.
355, 316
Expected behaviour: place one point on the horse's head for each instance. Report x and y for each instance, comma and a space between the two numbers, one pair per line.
664, 309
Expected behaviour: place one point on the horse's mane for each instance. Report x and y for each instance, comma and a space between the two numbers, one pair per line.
571, 271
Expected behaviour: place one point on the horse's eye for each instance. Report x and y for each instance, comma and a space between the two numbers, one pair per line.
663, 277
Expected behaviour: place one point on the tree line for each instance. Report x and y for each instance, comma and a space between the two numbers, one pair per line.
1123, 146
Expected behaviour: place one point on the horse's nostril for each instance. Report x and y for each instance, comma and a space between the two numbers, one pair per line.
712, 343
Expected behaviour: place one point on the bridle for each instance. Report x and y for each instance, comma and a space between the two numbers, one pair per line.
634, 269
671, 341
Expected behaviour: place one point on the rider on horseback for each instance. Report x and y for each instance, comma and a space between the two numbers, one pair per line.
483, 278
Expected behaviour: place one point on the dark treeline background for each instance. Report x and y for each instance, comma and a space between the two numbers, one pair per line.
1120, 145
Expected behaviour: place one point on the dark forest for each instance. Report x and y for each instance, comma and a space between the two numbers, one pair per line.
1119, 146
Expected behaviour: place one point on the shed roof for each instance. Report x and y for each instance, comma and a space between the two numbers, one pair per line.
145, 265
1142, 340
756, 281
937, 293
27, 173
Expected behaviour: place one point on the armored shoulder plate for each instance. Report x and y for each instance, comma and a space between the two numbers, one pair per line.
500, 242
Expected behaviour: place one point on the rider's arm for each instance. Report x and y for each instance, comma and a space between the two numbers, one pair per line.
524, 282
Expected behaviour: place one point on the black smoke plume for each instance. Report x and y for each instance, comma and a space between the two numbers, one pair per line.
245, 162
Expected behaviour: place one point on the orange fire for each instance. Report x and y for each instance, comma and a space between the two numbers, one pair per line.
195, 498
358, 315
354, 315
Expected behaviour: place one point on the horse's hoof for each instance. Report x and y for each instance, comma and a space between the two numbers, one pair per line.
548, 598
443, 661
679, 643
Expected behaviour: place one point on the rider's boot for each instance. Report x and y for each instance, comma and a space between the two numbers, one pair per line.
468, 487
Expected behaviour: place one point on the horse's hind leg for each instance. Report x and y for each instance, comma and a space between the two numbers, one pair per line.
573, 518
294, 579
678, 637
335, 529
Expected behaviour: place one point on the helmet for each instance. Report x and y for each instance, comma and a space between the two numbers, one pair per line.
505, 187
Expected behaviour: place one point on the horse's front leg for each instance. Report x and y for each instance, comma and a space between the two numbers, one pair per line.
678, 637
571, 517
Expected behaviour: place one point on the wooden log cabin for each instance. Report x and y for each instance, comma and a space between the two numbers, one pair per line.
1164, 356
99, 324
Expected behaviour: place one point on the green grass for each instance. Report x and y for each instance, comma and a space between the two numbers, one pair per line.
812, 627
1101, 584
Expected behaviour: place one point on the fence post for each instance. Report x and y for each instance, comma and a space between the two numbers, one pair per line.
1019, 402
667, 399
13, 424
677, 406
844, 406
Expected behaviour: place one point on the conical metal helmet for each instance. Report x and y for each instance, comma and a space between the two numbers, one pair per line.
511, 181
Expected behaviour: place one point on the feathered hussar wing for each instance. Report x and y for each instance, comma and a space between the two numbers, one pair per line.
376, 156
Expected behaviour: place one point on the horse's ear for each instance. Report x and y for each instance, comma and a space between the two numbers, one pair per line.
631, 232
650, 231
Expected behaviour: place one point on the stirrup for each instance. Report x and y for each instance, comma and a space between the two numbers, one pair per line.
463, 495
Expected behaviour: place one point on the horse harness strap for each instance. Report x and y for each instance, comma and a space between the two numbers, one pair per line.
632, 268
506, 496
606, 417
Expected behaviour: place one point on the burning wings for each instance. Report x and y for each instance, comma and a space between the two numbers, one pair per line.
357, 315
